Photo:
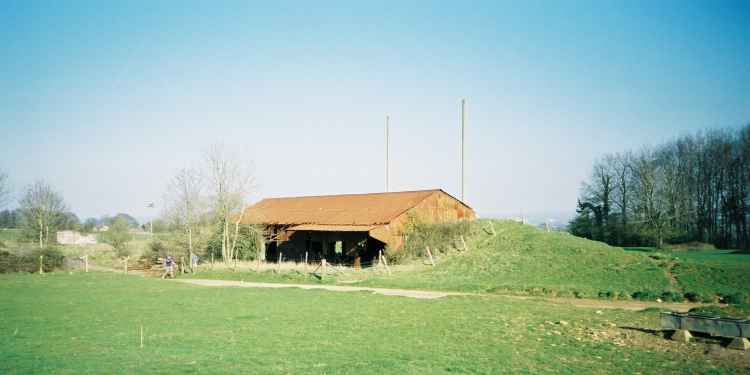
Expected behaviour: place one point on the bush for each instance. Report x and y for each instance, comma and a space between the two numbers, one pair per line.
646, 295
118, 237
607, 295
158, 249
699, 297
672, 297
441, 238
735, 298
53, 259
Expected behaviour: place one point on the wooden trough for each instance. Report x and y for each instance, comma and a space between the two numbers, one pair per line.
683, 324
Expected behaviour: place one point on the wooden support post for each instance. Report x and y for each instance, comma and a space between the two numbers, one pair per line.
380, 258
41, 264
305, 260
212, 260
85, 263
125, 266
278, 264
464, 243
429, 254
182, 265
357, 262
681, 335
323, 265
385, 261
257, 266
739, 343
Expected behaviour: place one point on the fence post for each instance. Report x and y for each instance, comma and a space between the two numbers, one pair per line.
305, 261
429, 254
212, 261
126, 264
278, 263
257, 267
464, 243
323, 265
41, 264
385, 261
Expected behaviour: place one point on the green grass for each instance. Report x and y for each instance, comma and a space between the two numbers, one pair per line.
730, 311
89, 323
526, 259
714, 272
709, 274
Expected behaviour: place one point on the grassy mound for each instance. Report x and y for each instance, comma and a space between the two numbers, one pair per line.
523, 258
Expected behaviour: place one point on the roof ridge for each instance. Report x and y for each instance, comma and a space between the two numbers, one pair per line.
357, 194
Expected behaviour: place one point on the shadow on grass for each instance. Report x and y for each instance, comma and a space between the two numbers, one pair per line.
650, 331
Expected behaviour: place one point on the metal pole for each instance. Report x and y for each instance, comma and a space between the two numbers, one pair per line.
463, 134
387, 153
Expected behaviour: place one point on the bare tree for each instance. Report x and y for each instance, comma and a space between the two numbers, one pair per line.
230, 183
621, 167
651, 185
185, 203
598, 197
41, 206
4, 189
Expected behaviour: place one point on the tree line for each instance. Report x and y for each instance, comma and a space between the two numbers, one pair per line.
694, 188
202, 213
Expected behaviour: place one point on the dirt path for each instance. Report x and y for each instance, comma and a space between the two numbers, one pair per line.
421, 294
612, 304
434, 294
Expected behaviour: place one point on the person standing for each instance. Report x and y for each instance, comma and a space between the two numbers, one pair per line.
168, 267
194, 262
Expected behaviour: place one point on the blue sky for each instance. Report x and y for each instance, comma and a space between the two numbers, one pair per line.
107, 100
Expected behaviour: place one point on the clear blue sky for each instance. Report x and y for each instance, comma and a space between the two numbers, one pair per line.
106, 100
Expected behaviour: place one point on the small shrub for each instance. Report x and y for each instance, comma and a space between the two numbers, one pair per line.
607, 295
672, 297
158, 248
439, 237
646, 295
735, 298
692, 297
52, 259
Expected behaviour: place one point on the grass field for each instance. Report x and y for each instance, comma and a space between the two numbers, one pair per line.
89, 323
706, 273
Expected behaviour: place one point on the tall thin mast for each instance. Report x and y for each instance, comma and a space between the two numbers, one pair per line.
387, 153
463, 130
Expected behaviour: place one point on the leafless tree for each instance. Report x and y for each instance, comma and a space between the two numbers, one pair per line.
4, 189
650, 187
230, 182
185, 203
41, 206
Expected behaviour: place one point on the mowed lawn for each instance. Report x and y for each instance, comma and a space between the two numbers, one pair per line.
89, 323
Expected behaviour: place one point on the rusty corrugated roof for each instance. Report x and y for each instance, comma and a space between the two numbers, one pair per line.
347, 209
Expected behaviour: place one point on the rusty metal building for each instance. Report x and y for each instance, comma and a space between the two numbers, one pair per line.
349, 228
